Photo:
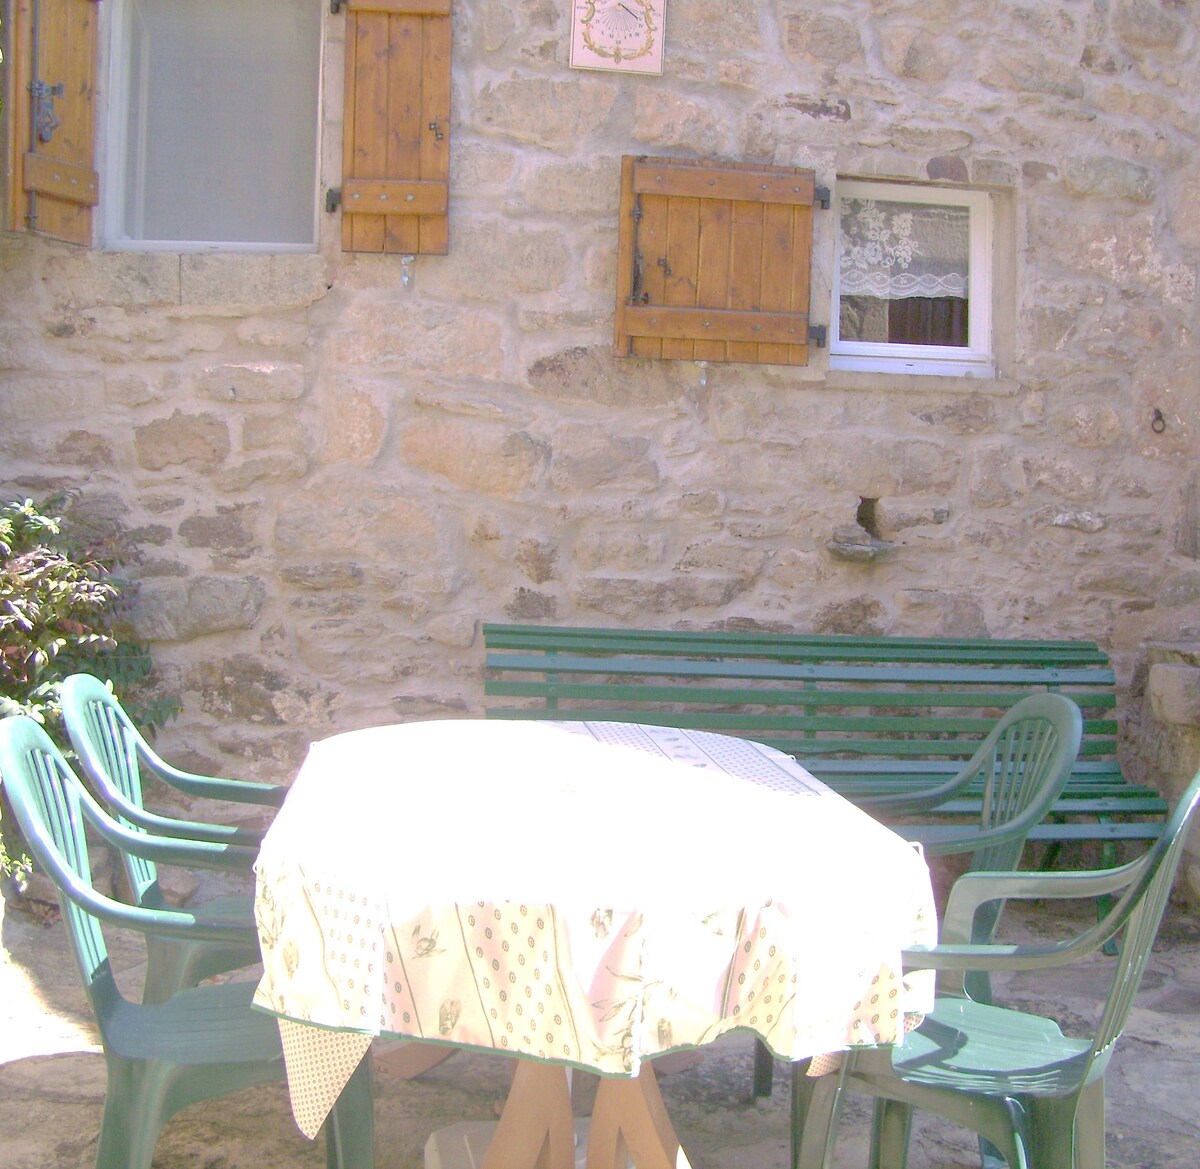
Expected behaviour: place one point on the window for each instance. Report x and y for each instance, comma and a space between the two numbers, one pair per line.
912, 280
212, 129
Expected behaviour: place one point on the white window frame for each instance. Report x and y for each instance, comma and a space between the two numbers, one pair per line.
977, 359
114, 144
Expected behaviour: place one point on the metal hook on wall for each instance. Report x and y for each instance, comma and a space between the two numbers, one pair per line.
1157, 422
703, 373
406, 263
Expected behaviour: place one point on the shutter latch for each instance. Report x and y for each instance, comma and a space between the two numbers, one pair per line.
817, 334
335, 6
821, 195
333, 199
44, 118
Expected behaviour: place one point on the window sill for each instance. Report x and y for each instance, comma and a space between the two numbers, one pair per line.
845, 379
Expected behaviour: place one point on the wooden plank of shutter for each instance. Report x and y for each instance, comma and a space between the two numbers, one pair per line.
396, 132
743, 181
56, 184
681, 265
716, 324
712, 272
714, 261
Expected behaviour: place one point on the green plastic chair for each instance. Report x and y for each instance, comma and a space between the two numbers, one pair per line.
203, 1042
113, 754
175, 962
1033, 1093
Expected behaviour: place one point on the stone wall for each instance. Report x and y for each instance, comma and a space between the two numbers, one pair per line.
338, 465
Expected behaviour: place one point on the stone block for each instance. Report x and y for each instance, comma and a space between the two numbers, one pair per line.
264, 381
322, 575
281, 333
1108, 178
916, 53
251, 280
538, 559
283, 429
1174, 694
632, 600
243, 685
198, 607
594, 375
590, 187
229, 530
1146, 25
198, 441
83, 278
316, 522
1183, 204
1031, 72
586, 461
664, 120
355, 425
494, 258
483, 457
271, 468
814, 36
542, 112
618, 550
413, 338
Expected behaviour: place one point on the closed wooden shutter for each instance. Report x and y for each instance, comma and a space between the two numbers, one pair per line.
54, 51
396, 154
714, 261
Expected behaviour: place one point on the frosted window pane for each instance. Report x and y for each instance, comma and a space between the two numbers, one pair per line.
220, 133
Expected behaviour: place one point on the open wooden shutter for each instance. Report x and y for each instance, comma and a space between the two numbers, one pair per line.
54, 51
396, 154
714, 261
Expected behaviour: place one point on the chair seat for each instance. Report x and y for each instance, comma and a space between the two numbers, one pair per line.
197, 1026
997, 1052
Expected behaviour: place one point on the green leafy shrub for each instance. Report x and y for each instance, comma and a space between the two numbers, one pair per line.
64, 610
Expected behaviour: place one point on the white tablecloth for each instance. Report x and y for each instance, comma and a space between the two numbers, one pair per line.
591, 894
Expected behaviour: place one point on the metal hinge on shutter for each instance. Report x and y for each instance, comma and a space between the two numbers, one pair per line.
821, 197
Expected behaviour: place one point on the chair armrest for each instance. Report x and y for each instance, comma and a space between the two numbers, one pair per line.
170, 923
915, 803
973, 890
167, 850
214, 787
948, 839
978, 889
172, 826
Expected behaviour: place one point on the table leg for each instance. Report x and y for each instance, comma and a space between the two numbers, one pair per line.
536, 1129
630, 1123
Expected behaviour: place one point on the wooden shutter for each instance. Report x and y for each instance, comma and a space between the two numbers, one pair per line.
396, 154
55, 183
714, 261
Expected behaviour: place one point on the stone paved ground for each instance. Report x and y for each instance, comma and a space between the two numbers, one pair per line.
52, 1079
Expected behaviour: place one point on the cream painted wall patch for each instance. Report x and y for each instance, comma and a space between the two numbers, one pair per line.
621, 35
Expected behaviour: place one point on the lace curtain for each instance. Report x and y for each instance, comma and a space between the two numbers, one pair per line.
898, 250
904, 273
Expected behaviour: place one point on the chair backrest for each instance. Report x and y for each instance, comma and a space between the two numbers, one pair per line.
45, 798
1024, 763
1138, 914
108, 746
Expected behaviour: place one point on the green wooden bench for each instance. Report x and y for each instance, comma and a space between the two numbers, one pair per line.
868, 715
